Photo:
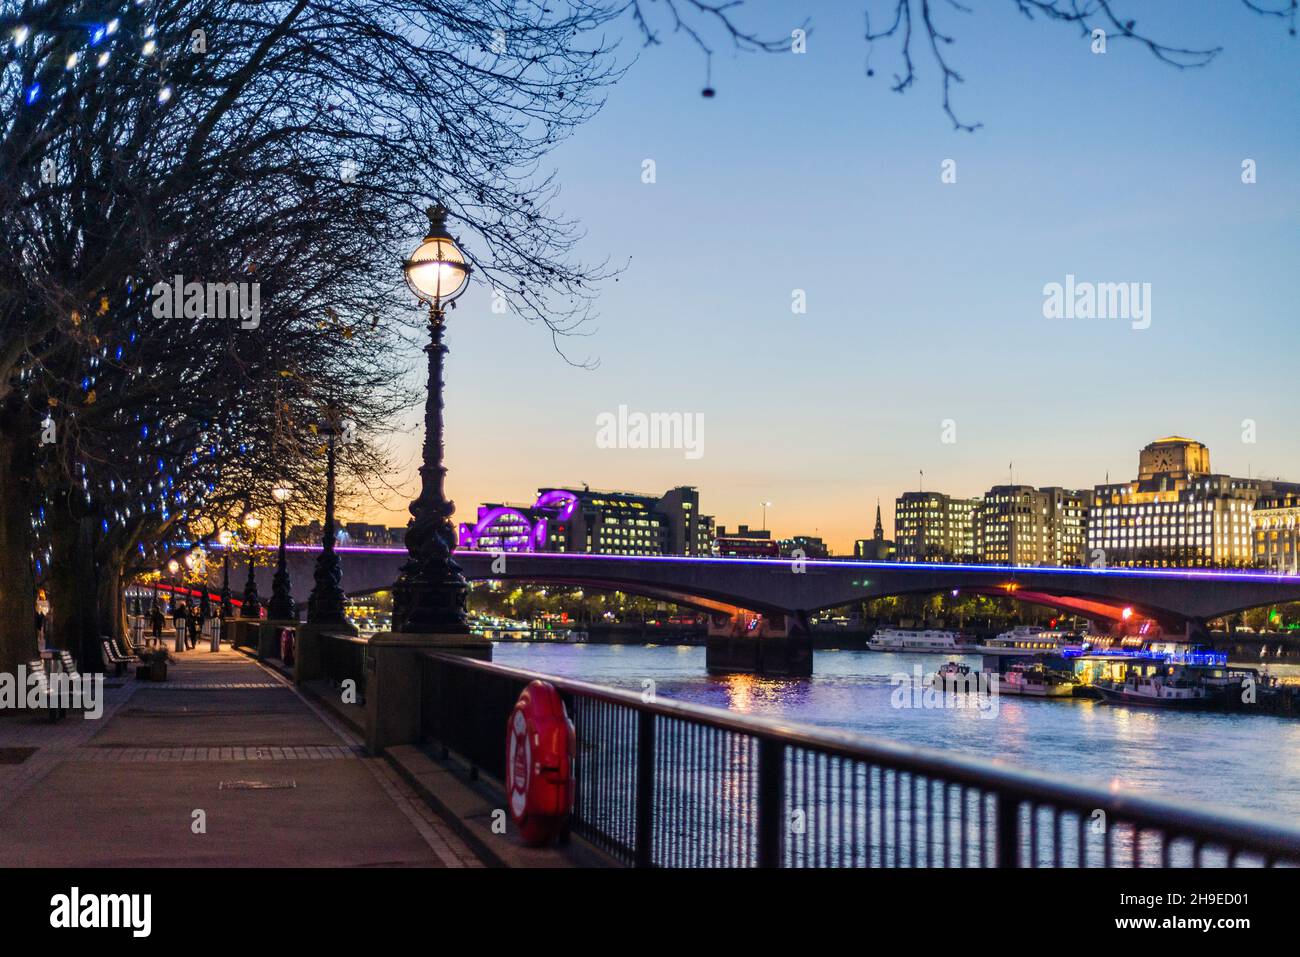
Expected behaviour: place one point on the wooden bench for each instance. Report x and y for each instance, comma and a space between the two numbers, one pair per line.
37, 667
114, 657
69, 668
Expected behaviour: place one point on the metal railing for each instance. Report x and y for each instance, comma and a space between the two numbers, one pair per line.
668, 784
343, 658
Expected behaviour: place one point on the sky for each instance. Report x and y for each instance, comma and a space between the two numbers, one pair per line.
924, 315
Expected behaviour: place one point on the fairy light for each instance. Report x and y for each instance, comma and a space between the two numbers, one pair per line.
149, 48
72, 61
164, 94
20, 36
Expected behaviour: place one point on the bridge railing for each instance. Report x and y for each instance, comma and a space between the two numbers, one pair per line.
669, 784
343, 657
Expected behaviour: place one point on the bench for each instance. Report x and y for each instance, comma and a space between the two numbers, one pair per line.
69, 668
37, 667
113, 657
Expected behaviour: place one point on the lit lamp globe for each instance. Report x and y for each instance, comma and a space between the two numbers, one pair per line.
224, 537
282, 493
173, 567
252, 522
437, 271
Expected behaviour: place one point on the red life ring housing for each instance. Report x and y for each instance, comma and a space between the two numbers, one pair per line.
540, 748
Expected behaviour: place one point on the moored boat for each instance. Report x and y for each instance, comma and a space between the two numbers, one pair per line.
1175, 688
928, 640
1036, 680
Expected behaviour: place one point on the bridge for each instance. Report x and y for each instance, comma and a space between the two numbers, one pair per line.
759, 608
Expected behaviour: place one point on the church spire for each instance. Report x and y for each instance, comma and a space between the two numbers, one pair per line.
879, 533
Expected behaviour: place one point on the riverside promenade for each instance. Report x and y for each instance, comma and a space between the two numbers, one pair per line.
224, 764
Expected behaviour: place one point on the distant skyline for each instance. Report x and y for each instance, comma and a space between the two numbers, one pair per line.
925, 300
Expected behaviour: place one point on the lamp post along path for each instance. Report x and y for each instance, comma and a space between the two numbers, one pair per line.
325, 605
281, 607
252, 607
227, 600
430, 594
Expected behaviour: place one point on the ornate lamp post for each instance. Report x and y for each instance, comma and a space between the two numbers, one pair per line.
197, 561
252, 603
325, 606
282, 607
227, 600
173, 567
430, 593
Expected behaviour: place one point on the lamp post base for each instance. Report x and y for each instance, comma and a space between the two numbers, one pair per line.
394, 683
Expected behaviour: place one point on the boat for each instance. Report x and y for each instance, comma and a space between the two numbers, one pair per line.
929, 640
1032, 640
955, 676
1176, 688
1036, 680
573, 637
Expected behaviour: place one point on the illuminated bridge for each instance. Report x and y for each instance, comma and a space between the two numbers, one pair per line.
759, 608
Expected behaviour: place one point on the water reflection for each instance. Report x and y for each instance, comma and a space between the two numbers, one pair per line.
1235, 760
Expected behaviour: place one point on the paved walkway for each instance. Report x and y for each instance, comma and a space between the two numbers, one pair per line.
224, 764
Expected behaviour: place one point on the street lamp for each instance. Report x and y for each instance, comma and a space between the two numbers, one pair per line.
766, 506
227, 601
252, 603
325, 605
281, 607
430, 593
197, 560
173, 568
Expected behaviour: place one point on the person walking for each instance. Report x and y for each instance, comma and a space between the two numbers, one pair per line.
158, 619
180, 620
196, 625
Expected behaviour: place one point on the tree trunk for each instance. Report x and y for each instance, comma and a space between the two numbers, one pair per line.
17, 583
71, 585
110, 605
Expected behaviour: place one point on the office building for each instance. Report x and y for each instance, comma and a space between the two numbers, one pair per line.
934, 527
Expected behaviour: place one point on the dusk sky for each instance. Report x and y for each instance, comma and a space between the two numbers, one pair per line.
924, 299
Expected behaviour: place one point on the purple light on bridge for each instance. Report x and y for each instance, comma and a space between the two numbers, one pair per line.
566, 500
1209, 574
488, 518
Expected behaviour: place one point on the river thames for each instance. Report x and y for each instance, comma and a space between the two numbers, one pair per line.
1229, 760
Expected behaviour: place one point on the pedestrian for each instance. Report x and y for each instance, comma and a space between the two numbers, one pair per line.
40, 628
180, 620
196, 625
159, 619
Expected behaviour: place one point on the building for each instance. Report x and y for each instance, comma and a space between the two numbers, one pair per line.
1177, 513
352, 533
809, 546
595, 522
362, 533
1023, 525
746, 542
1275, 527
877, 548
934, 527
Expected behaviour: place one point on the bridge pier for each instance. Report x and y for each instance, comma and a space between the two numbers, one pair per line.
749, 643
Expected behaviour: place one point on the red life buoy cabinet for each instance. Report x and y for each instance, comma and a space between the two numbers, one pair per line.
540, 748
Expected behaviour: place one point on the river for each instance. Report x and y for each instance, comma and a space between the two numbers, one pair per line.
1227, 760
